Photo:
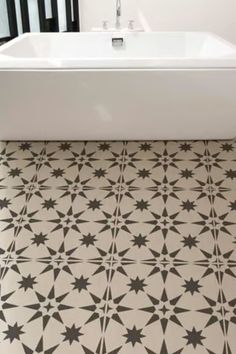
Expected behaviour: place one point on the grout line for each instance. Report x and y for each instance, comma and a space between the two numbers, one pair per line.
221, 290
108, 287
216, 237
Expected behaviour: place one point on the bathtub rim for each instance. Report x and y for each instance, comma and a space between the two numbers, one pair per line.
175, 63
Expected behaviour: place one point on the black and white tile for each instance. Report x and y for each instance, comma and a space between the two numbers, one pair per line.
118, 247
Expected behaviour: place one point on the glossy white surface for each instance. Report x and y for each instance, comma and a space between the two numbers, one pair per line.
95, 50
182, 88
117, 105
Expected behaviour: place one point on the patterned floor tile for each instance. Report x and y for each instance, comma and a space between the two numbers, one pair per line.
19, 161
11, 223
11, 200
176, 229
93, 164
81, 246
58, 225
146, 307
223, 162
169, 165
7, 241
164, 225
228, 278
118, 247
185, 150
65, 311
188, 247
225, 214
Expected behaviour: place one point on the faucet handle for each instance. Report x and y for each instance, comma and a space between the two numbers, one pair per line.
131, 24
105, 25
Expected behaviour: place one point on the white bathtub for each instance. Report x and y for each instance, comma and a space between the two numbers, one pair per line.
158, 85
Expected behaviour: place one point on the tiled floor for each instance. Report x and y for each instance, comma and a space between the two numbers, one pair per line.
114, 247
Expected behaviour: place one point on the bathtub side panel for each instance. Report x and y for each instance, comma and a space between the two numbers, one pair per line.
114, 105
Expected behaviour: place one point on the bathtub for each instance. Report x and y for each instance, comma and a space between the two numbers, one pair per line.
78, 86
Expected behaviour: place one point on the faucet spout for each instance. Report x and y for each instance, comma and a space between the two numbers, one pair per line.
118, 14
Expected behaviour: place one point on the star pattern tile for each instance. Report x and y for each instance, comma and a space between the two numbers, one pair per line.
118, 247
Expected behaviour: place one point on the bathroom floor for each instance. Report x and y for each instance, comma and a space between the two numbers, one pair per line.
116, 247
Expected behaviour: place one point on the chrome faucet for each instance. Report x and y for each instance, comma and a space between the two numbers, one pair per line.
118, 14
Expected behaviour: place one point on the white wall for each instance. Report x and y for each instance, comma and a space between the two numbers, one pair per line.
3, 20
218, 16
